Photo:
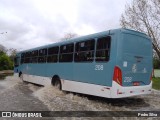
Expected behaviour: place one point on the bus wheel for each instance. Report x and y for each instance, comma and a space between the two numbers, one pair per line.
56, 83
21, 76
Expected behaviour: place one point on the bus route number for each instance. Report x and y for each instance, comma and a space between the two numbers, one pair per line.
98, 67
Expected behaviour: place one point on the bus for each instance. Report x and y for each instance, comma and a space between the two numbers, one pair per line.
112, 64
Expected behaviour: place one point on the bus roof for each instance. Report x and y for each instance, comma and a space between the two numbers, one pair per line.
91, 36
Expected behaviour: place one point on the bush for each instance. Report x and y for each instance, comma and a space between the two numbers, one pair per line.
156, 63
156, 83
5, 62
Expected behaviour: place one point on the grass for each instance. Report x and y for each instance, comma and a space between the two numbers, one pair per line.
156, 79
156, 83
157, 72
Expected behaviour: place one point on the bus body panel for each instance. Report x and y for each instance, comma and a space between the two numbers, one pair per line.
96, 78
82, 72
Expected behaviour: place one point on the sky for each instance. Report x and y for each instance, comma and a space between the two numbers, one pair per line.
26, 24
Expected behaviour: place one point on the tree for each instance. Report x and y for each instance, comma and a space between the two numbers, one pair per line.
144, 16
156, 63
69, 36
5, 62
3, 49
12, 53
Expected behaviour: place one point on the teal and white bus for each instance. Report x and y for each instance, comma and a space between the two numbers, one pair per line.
112, 64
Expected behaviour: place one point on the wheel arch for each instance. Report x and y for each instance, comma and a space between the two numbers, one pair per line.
56, 78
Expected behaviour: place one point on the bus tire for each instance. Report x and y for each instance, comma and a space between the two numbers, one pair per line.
21, 76
56, 82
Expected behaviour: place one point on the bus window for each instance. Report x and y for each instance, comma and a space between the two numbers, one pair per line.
16, 62
34, 59
52, 58
66, 53
85, 51
27, 57
43, 52
22, 61
22, 58
27, 60
41, 59
103, 49
23, 55
53, 54
53, 50
34, 55
42, 55
28, 54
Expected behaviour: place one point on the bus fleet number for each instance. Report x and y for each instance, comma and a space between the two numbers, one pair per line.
98, 67
127, 79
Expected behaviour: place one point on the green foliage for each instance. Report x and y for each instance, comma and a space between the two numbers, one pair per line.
12, 53
156, 83
5, 62
156, 63
2, 53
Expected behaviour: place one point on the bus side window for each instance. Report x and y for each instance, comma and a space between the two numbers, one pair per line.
43, 52
16, 62
27, 57
41, 59
34, 56
22, 58
103, 49
84, 51
66, 53
42, 55
53, 54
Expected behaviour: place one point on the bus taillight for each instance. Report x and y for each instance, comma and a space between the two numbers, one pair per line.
117, 76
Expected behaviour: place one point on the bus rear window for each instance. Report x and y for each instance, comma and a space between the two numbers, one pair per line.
103, 49
136, 45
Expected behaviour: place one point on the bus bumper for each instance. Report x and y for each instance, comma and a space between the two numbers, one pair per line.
118, 91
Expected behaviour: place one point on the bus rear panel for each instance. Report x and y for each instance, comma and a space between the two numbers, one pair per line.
133, 70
